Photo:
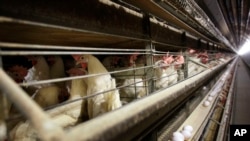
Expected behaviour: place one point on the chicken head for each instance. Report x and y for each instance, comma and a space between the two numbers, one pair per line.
81, 59
18, 73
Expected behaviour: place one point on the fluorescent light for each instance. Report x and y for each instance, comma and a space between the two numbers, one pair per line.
245, 48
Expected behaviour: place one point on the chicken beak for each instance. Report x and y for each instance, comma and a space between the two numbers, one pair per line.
83, 64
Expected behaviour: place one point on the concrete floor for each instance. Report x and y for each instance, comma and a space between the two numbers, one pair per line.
241, 109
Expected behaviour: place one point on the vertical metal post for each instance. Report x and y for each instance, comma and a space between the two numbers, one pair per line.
150, 71
186, 65
149, 57
185, 68
3, 128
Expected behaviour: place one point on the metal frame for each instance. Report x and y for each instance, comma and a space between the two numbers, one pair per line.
131, 119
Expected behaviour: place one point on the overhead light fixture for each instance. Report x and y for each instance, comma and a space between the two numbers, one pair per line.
245, 48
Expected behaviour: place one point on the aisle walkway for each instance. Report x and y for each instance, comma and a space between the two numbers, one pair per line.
241, 109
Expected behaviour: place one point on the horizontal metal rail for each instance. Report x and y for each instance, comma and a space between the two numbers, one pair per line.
53, 47
15, 53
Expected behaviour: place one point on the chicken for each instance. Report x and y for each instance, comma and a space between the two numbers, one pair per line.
178, 62
65, 116
221, 58
44, 94
60, 115
39, 71
17, 73
165, 72
195, 62
203, 57
78, 87
56, 66
47, 96
104, 101
119, 63
111, 62
133, 87
161, 77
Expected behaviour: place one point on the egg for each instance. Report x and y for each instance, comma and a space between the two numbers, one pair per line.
178, 135
206, 103
188, 128
204, 88
187, 134
212, 94
176, 138
210, 98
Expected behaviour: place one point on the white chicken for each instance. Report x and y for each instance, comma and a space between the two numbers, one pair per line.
133, 87
165, 72
78, 87
161, 77
195, 62
39, 71
178, 62
45, 94
104, 101
56, 67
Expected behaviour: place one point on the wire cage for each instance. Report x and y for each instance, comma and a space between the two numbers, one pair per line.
55, 78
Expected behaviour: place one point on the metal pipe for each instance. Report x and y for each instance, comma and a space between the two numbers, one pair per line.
46, 129
81, 76
14, 53
135, 117
52, 47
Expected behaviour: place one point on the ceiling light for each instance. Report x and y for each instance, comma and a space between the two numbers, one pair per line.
245, 48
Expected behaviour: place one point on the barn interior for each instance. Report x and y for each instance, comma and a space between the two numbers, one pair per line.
124, 70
